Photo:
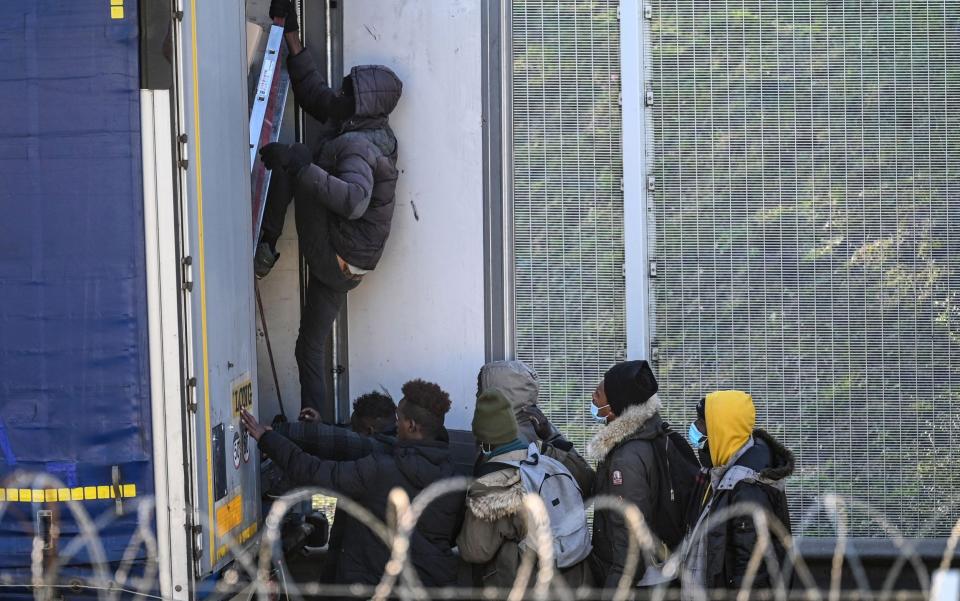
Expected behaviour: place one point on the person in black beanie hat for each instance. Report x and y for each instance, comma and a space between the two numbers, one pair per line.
629, 383
629, 467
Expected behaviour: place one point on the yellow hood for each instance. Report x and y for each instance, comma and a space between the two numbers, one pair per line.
731, 418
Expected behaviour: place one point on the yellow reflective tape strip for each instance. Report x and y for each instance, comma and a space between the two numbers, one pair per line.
207, 426
116, 12
244, 536
62, 495
116, 2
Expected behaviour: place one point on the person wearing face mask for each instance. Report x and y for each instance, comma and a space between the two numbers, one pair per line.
745, 465
343, 188
641, 460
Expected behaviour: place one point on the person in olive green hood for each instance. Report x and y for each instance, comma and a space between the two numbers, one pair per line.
746, 465
493, 530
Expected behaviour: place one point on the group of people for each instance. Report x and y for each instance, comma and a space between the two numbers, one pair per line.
343, 188
635, 458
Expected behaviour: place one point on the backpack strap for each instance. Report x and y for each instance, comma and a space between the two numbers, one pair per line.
493, 466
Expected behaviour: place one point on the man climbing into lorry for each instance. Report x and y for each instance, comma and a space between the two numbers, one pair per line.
343, 187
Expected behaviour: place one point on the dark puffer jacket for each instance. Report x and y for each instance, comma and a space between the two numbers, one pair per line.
627, 469
350, 187
719, 559
368, 481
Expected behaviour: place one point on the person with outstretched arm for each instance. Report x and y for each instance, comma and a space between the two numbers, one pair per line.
343, 188
419, 457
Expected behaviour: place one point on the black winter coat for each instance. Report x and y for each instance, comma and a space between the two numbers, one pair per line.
338, 443
347, 194
627, 469
728, 546
368, 480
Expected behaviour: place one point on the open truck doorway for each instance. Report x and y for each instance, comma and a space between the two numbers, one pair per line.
283, 290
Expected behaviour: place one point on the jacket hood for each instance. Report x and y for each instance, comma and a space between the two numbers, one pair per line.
762, 460
515, 379
731, 417
500, 493
376, 90
636, 421
780, 463
423, 463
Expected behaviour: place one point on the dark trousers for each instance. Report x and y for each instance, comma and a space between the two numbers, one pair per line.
326, 291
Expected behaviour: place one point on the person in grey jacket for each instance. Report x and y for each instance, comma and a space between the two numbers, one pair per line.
747, 467
343, 190
521, 385
627, 402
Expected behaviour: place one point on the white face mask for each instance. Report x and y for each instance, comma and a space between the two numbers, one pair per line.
595, 413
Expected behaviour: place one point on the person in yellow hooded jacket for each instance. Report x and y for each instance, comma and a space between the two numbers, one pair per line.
744, 465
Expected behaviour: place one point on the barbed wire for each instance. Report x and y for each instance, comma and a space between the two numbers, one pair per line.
136, 573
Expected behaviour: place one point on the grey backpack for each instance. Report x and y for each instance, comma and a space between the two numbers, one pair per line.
563, 499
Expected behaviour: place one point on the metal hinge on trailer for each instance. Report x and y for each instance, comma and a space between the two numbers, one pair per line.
648, 11
653, 268
191, 386
195, 532
186, 281
648, 98
655, 351
651, 183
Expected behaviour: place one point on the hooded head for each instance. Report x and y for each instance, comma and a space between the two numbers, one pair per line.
376, 91
731, 417
629, 383
515, 379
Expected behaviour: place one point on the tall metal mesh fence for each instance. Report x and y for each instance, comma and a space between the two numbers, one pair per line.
807, 161
567, 200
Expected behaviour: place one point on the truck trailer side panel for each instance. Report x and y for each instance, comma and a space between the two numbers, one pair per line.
74, 365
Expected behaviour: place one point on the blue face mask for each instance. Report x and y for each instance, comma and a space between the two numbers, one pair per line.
696, 437
595, 413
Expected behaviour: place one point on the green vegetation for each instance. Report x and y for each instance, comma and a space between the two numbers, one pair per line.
807, 162
808, 169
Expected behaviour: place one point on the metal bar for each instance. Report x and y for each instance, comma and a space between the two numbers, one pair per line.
266, 338
169, 443
633, 59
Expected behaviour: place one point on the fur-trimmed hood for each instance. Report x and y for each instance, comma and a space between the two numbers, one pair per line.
637, 421
782, 462
498, 494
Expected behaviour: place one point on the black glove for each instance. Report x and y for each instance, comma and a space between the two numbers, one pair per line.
541, 425
289, 158
300, 157
283, 9
274, 155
